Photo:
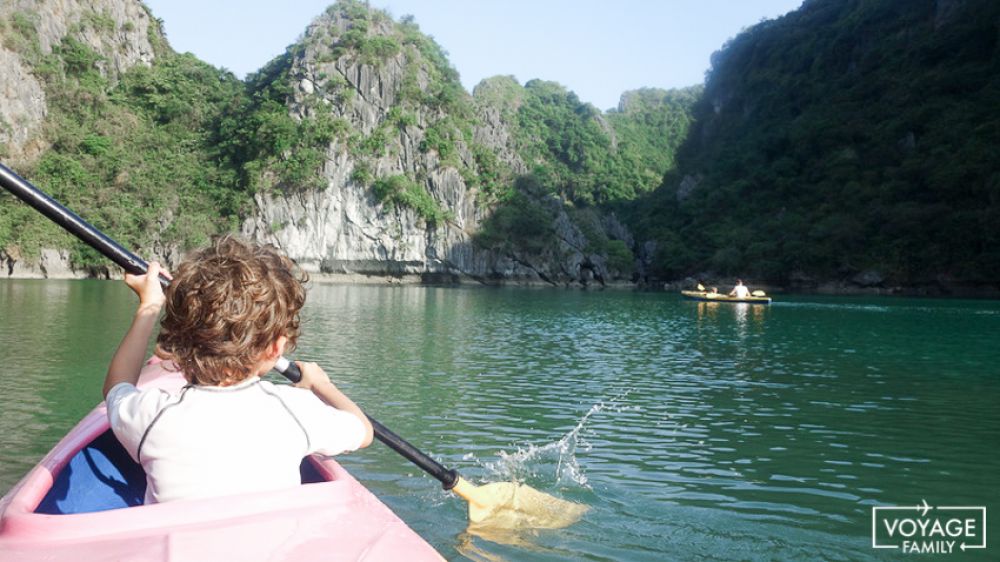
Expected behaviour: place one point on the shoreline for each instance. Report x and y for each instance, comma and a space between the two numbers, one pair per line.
829, 288
364, 279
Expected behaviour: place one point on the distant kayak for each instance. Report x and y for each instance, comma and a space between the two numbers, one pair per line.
720, 297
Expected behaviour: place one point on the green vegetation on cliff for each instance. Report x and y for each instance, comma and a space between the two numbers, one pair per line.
650, 124
843, 137
590, 158
581, 156
401, 190
137, 158
269, 147
169, 154
351, 32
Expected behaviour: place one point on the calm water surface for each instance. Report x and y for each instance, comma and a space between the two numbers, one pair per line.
693, 430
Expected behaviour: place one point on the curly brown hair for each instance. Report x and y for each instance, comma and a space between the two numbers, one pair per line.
226, 304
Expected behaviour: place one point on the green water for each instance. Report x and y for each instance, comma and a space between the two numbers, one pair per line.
694, 431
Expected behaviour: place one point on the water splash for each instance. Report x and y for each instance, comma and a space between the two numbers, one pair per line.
524, 461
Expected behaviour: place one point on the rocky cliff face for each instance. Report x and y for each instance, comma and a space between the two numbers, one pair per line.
357, 152
22, 103
343, 228
118, 30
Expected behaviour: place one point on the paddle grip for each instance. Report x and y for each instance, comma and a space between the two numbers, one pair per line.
288, 370
447, 477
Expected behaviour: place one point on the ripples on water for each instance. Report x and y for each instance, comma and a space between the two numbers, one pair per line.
54, 348
693, 430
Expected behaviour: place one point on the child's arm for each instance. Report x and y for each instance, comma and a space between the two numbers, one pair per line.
316, 380
128, 359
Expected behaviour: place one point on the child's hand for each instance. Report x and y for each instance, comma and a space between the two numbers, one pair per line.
148, 287
316, 380
312, 375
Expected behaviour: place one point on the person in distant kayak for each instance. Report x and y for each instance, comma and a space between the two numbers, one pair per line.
232, 310
710, 291
740, 291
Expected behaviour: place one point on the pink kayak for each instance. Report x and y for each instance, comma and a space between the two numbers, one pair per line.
84, 502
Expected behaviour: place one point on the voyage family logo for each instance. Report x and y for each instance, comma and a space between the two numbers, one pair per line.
924, 529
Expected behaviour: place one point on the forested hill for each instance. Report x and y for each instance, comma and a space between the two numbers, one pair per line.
357, 151
848, 140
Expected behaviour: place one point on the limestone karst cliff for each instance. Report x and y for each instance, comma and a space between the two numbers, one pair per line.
116, 30
357, 151
405, 127
40, 42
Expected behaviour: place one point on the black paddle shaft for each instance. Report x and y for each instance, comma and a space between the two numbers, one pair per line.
72, 223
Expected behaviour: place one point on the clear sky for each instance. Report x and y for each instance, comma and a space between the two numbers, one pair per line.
598, 49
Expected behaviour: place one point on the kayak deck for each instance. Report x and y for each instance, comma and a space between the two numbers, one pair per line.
719, 297
83, 501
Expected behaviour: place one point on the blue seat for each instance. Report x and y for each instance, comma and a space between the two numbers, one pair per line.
102, 476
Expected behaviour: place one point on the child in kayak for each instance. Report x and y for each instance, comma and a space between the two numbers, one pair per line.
232, 310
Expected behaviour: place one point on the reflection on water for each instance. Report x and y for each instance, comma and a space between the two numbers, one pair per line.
742, 313
692, 430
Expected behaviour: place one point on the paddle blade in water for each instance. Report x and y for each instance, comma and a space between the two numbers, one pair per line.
506, 505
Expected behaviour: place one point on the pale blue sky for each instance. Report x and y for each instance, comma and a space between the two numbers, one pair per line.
598, 49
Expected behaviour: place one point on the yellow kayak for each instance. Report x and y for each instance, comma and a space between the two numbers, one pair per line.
721, 297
